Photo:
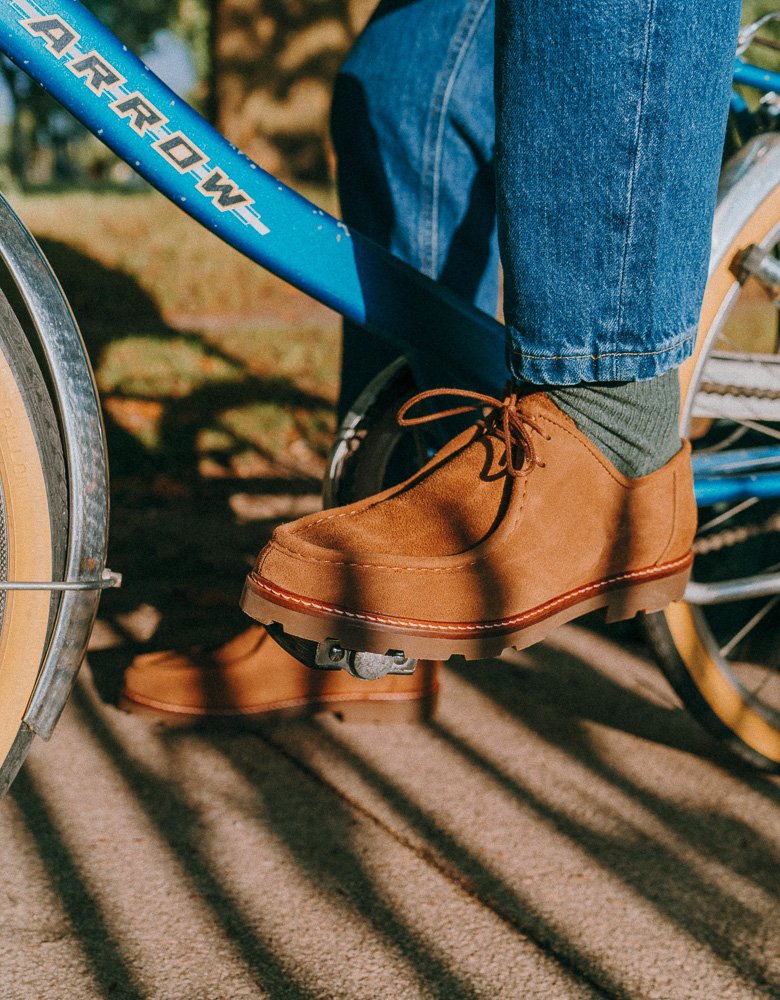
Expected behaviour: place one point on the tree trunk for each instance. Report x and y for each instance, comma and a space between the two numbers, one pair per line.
274, 62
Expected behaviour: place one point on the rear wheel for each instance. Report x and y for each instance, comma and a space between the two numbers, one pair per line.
720, 649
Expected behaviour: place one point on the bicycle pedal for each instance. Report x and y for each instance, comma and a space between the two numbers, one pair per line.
331, 655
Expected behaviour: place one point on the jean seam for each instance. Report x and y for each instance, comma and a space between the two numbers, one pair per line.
431, 175
607, 354
635, 161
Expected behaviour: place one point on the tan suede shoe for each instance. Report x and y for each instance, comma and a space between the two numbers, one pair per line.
516, 526
251, 679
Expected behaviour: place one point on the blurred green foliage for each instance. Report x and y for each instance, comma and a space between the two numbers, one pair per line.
134, 21
43, 146
752, 10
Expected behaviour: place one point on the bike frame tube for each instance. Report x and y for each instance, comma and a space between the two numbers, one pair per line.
732, 489
745, 460
747, 75
105, 86
732, 476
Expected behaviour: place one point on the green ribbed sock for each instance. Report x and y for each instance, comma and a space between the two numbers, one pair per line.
635, 424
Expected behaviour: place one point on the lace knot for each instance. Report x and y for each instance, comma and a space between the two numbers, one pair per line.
501, 415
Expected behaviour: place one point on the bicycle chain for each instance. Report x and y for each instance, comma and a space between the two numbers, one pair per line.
716, 389
744, 533
735, 536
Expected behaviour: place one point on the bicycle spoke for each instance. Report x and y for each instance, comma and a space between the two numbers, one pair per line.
727, 515
748, 628
736, 435
760, 428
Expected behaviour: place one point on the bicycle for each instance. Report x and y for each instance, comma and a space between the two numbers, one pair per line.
53, 465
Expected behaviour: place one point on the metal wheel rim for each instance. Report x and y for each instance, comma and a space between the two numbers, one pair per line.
730, 303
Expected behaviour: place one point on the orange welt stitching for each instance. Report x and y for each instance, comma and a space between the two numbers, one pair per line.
409, 623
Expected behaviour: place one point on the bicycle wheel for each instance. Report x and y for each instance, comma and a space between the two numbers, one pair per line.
371, 451
33, 521
719, 648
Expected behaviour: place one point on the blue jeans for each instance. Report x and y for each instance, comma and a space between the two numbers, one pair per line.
582, 137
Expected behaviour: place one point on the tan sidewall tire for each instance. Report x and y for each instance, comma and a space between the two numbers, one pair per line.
26, 617
722, 698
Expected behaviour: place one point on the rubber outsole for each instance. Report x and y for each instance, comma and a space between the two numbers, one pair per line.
619, 597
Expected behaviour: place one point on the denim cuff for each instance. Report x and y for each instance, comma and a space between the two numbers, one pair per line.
609, 366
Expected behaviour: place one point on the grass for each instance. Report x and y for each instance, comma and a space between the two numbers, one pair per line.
201, 357
218, 383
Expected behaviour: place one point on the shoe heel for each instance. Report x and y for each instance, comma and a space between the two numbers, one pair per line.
653, 595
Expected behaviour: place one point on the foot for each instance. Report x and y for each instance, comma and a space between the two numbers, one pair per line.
518, 525
251, 679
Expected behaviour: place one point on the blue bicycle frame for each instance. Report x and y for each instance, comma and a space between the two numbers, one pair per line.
68, 51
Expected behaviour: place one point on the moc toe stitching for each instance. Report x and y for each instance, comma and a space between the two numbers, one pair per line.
353, 564
305, 524
302, 550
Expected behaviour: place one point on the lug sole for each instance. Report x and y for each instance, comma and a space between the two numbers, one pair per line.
620, 597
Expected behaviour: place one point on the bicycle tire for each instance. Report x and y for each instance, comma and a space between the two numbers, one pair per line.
368, 437
33, 520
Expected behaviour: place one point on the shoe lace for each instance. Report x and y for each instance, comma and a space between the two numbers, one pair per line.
499, 415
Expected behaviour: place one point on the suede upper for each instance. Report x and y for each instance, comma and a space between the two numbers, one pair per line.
251, 675
464, 541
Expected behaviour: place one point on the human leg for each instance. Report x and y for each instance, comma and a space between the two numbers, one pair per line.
605, 255
610, 120
421, 184
522, 522
413, 129
607, 167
